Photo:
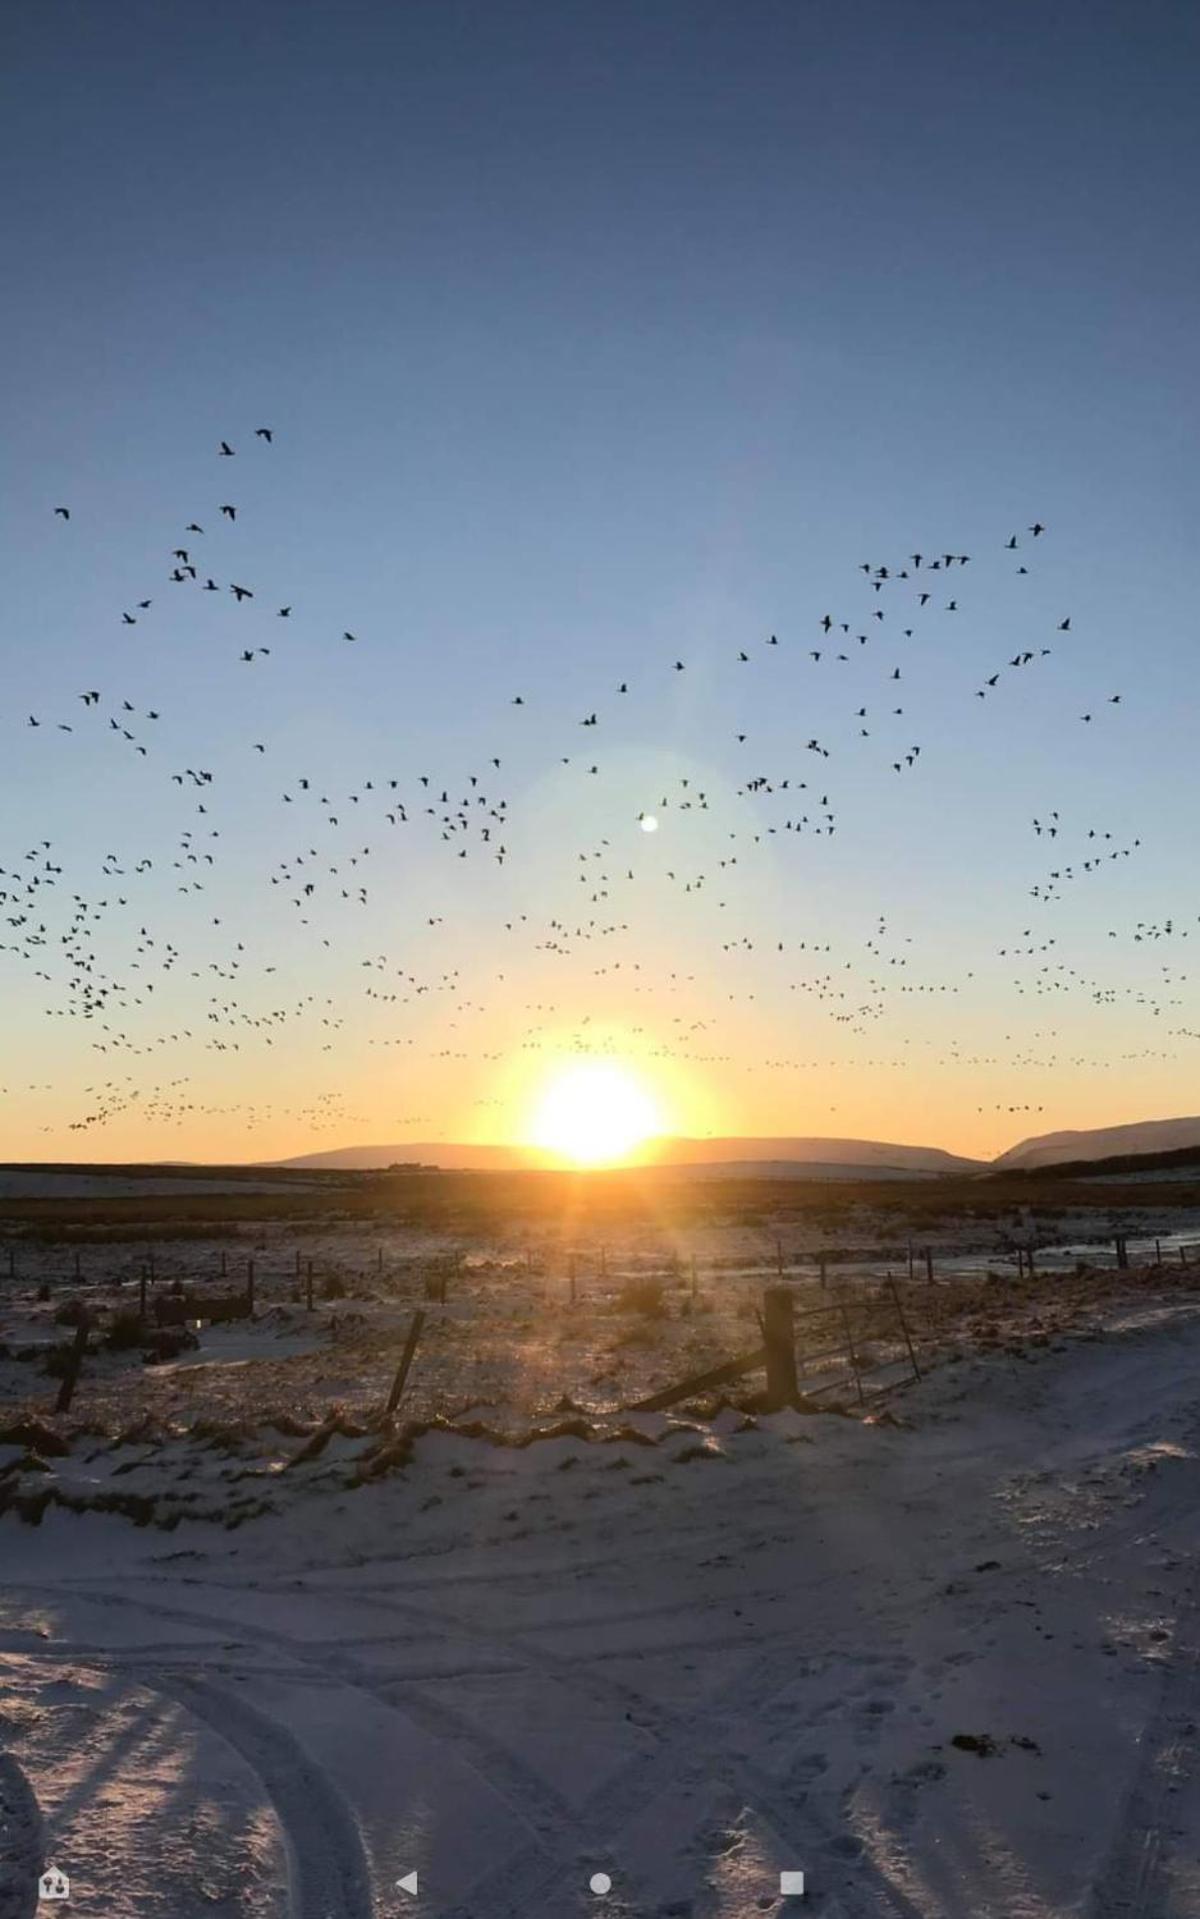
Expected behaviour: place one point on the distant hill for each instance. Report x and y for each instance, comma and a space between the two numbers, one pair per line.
822, 1158
1102, 1142
815, 1169
835, 1155
377, 1158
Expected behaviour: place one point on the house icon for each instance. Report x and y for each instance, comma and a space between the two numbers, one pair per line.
54, 1884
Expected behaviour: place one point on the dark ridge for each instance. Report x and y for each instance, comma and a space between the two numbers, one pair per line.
1104, 1168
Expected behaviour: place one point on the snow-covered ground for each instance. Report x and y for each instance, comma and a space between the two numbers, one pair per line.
948, 1667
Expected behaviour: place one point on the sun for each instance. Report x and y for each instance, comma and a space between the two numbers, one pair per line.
595, 1113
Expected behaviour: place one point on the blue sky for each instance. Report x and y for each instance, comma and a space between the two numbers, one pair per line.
594, 338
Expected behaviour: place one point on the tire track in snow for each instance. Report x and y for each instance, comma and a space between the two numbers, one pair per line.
686, 1747
1137, 1881
328, 1870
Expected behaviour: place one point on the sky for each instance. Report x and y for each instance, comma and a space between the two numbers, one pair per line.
594, 338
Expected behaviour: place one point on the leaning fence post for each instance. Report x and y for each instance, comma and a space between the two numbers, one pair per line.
66, 1391
904, 1328
851, 1355
406, 1360
779, 1338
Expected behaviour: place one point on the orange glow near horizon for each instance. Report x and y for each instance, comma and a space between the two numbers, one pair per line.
596, 1113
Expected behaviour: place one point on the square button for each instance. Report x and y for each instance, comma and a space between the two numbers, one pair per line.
791, 1885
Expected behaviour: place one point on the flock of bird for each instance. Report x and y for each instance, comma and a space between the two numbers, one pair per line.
91, 936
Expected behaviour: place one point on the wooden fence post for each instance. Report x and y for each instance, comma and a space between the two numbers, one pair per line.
779, 1257
1122, 1252
406, 1360
70, 1379
1158, 1252
910, 1262
929, 1264
779, 1338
